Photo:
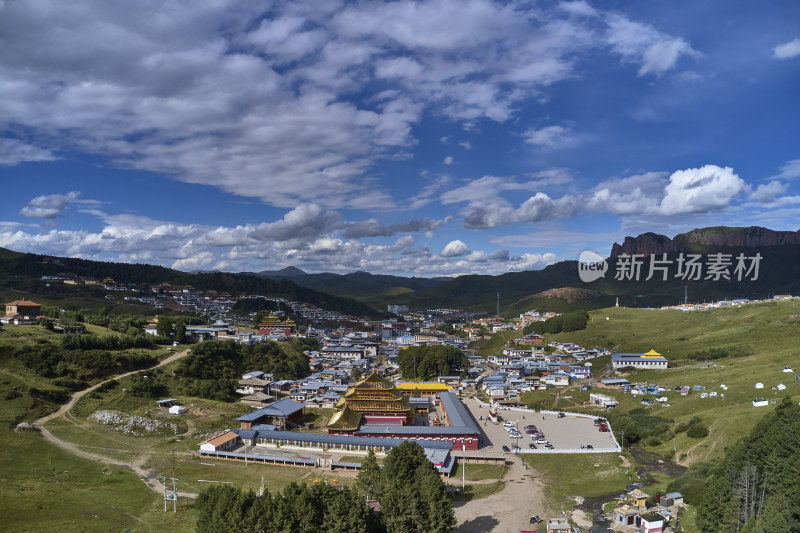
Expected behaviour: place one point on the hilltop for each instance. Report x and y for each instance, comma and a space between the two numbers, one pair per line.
22, 272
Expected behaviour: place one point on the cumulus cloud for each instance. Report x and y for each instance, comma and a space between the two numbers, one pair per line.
261, 104
52, 206
640, 193
454, 249
374, 228
308, 237
695, 190
766, 192
703, 189
533, 261
448, 160
787, 50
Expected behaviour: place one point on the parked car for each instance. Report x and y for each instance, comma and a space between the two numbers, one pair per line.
541, 440
561, 414
506, 449
599, 421
604, 429
532, 446
589, 447
515, 449
548, 446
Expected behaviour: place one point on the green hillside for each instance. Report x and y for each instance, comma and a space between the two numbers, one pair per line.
21, 274
755, 342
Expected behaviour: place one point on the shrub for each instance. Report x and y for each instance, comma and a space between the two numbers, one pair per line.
697, 431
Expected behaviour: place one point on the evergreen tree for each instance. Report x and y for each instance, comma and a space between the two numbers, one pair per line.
164, 326
369, 480
415, 500
180, 332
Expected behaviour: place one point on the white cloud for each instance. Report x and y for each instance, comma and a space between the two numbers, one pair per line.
766, 192
533, 261
52, 206
789, 171
703, 189
654, 52
631, 195
262, 104
787, 50
578, 7
14, 152
448, 160
549, 137
695, 190
454, 249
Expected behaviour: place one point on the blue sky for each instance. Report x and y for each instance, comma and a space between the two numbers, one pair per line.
411, 138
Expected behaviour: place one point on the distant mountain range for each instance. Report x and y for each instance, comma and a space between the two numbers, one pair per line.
557, 287
372, 289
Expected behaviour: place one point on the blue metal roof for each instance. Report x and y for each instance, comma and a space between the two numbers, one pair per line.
456, 411
615, 382
283, 407
324, 438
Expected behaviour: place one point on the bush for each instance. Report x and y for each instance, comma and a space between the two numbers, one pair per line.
697, 431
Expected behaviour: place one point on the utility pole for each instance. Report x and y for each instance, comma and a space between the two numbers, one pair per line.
685, 294
463, 465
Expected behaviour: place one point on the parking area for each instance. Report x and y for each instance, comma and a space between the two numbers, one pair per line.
570, 432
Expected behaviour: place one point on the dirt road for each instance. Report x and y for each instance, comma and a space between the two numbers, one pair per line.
148, 478
508, 510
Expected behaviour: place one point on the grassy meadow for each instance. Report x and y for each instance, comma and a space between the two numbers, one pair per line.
45, 488
767, 331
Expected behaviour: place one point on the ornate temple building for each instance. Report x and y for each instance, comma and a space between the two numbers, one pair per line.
272, 323
373, 400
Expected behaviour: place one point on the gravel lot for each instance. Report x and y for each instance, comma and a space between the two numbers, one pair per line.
570, 432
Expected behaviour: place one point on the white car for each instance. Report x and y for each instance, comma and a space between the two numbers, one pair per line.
541, 440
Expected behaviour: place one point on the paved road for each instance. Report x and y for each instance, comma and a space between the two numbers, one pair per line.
147, 477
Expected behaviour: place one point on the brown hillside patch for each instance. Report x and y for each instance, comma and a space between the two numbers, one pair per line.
570, 294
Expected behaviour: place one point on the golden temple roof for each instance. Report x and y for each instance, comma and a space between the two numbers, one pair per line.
345, 420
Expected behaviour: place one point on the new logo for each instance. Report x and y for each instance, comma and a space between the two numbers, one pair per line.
591, 266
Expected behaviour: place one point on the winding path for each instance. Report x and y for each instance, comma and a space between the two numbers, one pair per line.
147, 477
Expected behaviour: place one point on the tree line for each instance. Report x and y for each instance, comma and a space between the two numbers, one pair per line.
412, 500
424, 362
574, 321
213, 368
756, 486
